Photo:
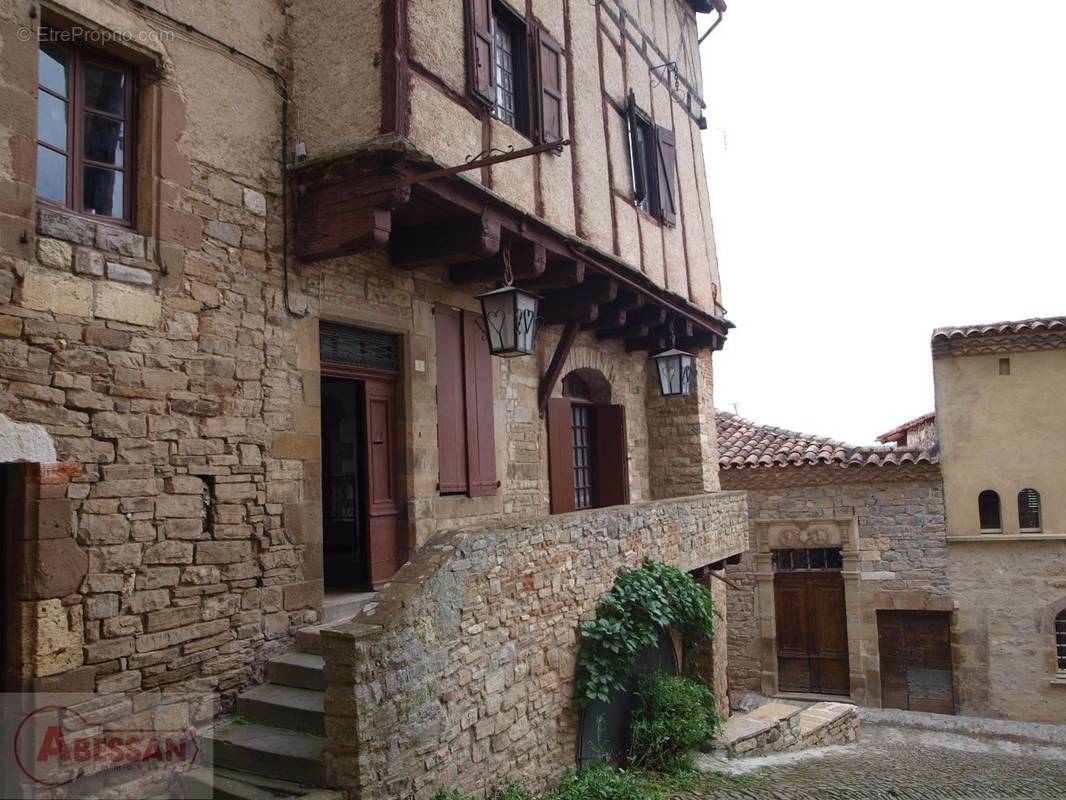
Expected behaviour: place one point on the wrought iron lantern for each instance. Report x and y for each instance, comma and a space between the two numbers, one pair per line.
510, 316
676, 370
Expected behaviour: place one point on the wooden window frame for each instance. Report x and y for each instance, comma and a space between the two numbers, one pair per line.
78, 57
1058, 626
653, 165
1025, 508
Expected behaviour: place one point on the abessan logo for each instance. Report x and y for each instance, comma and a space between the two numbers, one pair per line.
52, 754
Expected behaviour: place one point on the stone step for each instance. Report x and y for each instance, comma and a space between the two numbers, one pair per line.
285, 707
308, 639
262, 750
302, 670
223, 784
340, 607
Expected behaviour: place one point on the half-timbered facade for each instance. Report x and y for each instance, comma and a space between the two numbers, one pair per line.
245, 386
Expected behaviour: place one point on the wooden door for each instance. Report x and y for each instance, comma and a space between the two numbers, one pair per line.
916, 672
812, 633
387, 550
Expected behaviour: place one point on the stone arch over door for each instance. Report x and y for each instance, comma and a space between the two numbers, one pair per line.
804, 534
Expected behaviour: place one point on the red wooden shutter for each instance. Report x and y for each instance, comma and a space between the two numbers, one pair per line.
560, 455
387, 553
667, 170
549, 89
637, 152
612, 464
451, 416
480, 47
480, 430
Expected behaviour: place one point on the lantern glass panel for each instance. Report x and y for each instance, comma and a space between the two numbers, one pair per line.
510, 317
675, 369
525, 322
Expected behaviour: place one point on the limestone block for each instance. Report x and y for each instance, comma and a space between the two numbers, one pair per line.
126, 304
57, 293
52, 637
54, 253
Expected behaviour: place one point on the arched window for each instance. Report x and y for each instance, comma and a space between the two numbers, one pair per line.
1060, 640
1029, 510
988, 507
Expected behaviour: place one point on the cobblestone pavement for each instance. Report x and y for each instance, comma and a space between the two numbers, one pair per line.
897, 764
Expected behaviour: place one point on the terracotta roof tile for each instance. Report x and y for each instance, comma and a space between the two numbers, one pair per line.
1036, 324
894, 434
743, 443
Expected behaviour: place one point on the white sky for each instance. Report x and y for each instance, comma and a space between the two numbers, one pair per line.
878, 170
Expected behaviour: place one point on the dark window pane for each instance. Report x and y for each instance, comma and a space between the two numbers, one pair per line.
102, 192
104, 140
52, 120
1060, 640
52, 69
105, 89
988, 507
833, 559
817, 558
505, 69
1029, 509
51, 175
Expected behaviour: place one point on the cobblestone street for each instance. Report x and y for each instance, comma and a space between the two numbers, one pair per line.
893, 763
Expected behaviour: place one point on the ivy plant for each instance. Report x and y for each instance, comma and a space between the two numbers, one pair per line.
631, 617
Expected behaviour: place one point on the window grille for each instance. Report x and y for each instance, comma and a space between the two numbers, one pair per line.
812, 559
1060, 640
356, 347
582, 424
1029, 510
505, 73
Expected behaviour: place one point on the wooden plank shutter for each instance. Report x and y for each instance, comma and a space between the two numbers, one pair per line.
667, 171
480, 430
480, 51
638, 153
611, 461
387, 552
549, 89
451, 414
560, 455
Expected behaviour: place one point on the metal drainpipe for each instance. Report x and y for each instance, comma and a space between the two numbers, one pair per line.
719, 8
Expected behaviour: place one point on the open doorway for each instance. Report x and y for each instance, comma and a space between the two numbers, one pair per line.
362, 540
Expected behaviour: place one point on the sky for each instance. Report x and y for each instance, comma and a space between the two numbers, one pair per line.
876, 171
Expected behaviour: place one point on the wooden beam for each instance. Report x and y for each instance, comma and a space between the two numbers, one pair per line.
559, 275
487, 161
595, 289
656, 341
649, 315
562, 313
350, 230
528, 260
448, 242
633, 330
555, 367
628, 300
608, 318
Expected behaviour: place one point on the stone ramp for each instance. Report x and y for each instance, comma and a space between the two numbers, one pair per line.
782, 727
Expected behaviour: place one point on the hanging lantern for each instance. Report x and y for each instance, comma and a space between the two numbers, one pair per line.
510, 316
677, 370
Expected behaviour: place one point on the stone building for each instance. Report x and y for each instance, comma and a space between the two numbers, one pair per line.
942, 589
245, 389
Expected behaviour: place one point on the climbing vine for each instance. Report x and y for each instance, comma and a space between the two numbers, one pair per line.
631, 617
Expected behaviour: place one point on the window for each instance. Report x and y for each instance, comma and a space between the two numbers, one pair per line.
652, 155
806, 560
988, 509
465, 427
1029, 510
1060, 641
515, 70
1004, 366
84, 131
587, 454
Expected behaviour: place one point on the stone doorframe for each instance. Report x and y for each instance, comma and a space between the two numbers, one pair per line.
862, 600
798, 535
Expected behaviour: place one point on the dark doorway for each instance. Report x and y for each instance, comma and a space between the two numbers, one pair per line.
916, 669
344, 518
812, 632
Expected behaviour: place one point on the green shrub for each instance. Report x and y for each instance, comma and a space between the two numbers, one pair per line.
673, 716
451, 794
600, 782
640, 606
515, 790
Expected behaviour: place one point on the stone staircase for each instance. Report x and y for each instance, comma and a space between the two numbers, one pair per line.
274, 746
776, 727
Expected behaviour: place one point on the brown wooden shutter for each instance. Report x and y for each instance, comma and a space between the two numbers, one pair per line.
667, 173
451, 415
549, 89
637, 152
560, 455
612, 463
480, 47
480, 430
387, 552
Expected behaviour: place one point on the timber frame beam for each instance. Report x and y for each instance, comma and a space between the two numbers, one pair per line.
387, 198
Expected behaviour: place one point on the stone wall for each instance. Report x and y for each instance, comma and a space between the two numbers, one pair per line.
898, 560
462, 672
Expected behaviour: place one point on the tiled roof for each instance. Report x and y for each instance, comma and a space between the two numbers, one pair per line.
1022, 336
743, 443
1035, 325
896, 433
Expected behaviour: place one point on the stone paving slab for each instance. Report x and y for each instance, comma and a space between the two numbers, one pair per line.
821, 714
